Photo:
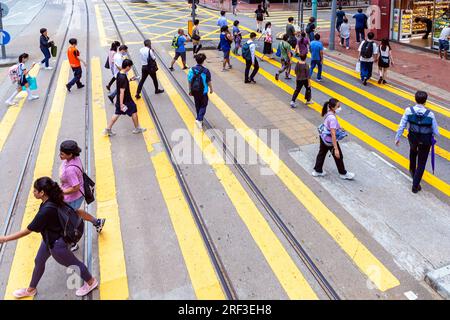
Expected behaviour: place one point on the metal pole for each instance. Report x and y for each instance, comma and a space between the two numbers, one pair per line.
193, 10
314, 9
332, 25
1, 28
301, 16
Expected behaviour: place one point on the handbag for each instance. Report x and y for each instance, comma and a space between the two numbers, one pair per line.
278, 53
107, 66
32, 83
54, 50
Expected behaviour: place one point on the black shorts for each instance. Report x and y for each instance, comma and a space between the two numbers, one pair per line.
131, 108
22, 81
180, 54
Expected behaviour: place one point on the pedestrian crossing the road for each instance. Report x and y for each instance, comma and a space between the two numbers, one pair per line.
215, 227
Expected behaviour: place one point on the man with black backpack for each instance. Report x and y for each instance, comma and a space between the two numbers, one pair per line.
199, 79
421, 132
149, 68
368, 54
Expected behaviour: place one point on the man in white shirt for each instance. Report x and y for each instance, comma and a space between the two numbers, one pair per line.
252, 61
148, 69
119, 57
368, 54
443, 42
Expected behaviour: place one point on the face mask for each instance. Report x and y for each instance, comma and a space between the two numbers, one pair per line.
338, 109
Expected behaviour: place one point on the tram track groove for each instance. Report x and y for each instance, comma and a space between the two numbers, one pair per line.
321, 280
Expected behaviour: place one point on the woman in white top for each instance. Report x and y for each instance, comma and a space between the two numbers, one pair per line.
114, 46
385, 60
267, 34
344, 31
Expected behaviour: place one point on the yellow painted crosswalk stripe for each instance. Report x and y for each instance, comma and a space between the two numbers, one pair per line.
22, 265
100, 26
399, 92
10, 117
388, 152
203, 277
111, 258
284, 268
361, 256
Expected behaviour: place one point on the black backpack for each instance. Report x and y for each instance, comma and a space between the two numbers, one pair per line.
367, 49
197, 86
420, 126
151, 63
88, 186
71, 223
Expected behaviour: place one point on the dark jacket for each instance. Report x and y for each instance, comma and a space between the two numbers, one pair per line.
44, 43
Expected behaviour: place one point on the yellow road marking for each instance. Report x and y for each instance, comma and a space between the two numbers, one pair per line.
10, 117
388, 152
383, 102
276, 255
22, 265
100, 26
111, 258
204, 280
432, 106
356, 250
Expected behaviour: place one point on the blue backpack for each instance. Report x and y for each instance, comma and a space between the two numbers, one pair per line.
246, 54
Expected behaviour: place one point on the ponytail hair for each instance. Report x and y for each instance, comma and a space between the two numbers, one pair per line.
330, 104
51, 190
23, 56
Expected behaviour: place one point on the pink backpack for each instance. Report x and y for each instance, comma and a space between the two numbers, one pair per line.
13, 73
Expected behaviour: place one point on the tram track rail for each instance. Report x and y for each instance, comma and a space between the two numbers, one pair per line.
224, 279
7, 224
300, 251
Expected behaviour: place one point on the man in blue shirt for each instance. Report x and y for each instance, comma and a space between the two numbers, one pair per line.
360, 25
200, 91
420, 136
316, 56
222, 21
340, 14
180, 49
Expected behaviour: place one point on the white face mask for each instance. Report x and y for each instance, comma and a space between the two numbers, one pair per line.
338, 109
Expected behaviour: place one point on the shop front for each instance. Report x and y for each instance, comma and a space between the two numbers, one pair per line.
419, 22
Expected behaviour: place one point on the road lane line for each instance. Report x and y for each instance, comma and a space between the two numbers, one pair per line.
10, 117
100, 26
364, 137
111, 258
26, 249
205, 281
284, 268
432, 106
382, 102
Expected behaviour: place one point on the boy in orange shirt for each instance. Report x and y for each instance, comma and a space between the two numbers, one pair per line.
74, 59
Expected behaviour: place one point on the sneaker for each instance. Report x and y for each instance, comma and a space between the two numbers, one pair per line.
24, 293
199, 124
277, 76
348, 48
247, 81
414, 190
108, 88
138, 96
365, 82
74, 247
108, 132
48, 68
384, 81
223, 70
252, 81
347, 176
32, 97
288, 78
293, 104
159, 91
68, 87
85, 289
185, 68
309, 102
99, 225
380, 80
318, 174
319, 80
171, 69
139, 130
230, 67
111, 98
80, 87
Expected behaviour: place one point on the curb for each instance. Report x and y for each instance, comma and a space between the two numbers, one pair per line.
7, 62
439, 280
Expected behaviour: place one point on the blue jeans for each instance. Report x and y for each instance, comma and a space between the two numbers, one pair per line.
47, 56
76, 204
347, 42
366, 70
315, 63
360, 35
76, 77
311, 36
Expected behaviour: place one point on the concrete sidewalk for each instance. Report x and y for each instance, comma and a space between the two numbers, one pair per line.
413, 68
